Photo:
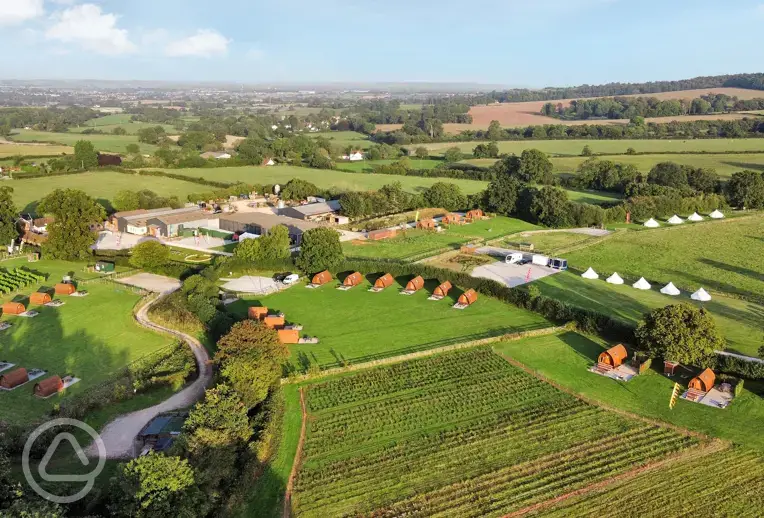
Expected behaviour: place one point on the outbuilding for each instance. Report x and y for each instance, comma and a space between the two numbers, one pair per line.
384, 282
354, 279
65, 289
13, 308
614, 357
48, 387
442, 290
104, 267
703, 382
14, 378
39, 298
415, 284
468, 298
321, 278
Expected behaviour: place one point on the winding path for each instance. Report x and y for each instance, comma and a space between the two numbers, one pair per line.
118, 434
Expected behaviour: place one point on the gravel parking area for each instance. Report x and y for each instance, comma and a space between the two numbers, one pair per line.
512, 274
252, 284
151, 282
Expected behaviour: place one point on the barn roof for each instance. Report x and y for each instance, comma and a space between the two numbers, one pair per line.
313, 209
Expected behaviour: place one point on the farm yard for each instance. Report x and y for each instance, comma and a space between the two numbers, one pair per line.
461, 434
89, 338
107, 143
358, 326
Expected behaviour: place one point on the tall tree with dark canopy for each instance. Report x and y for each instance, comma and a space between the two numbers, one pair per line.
668, 174
85, 154
746, 189
320, 250
445, 195
69, 235
502, 194
535, 167
8, 215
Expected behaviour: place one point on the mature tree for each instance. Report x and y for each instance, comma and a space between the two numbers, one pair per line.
550, 207
761, 351
746, 189
587, 151
453, 154
421, 152
69, 235
133, 149
668, 174
502, 194
275, 245
354, 204
508, 165
85, 154
252, 150
8, 215
703, 180
320, 161
490, 150
297, 189
151, 135
126, 200
320, 250
680, 332
155, 485
494, 131
535, 167
119, 130
445, 195
150, 254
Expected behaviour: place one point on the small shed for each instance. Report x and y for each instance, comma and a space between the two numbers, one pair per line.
443, 289
274, 321
415, 284
39, 298
427, 224
384, 282
468, 297
354, 279
65, 289
669, 367
452, 218
378, 235
704, 381
322, 278
289, 336
13, 308
474, 214
615, 356
49, 386
14, 378
104, 266
257, 312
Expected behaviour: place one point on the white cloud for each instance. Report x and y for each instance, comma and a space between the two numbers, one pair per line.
13, 12
205, 43
93, 30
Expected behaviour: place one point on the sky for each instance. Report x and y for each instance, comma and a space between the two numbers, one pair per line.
525, 43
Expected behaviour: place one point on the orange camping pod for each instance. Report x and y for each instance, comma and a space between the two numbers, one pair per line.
13, 308
384, 282
377, 235
468, 297
354, 279
65, 289
415, 284
703, 381
322, 278
274, 321
614, 356
39, 298
452, 217
475, 214
426, 224
257, 312
14, 378
289, 336
49, 386
442, 290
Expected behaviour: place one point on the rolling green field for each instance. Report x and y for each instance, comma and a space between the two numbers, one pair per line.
723, 164
722, 256
122, 120
101, 185
463, 434
9, 150
740, 322
418, 242
345, 138
565, 358
551, 242
619, 147
89, 338
107, 143
357, 325
368, 165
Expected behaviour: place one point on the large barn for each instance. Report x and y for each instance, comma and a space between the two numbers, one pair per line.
260, 223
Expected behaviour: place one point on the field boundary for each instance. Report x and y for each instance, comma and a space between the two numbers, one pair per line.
423, 354
287, 512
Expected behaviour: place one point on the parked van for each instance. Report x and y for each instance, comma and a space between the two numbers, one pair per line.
540, 260
514, 258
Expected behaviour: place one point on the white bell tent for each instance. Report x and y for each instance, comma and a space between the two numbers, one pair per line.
675, 220
701, 295
695, 217
716, 215
614, 279
641, 284
670, 289
651, 223
590, 274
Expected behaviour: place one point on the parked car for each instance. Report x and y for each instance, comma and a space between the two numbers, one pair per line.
279, 277
291, 279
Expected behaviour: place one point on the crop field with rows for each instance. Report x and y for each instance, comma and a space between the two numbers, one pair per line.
462, 434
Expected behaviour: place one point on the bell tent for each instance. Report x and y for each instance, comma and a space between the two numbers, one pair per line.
641, 284
670, 289
716, 215
695, 217
651, 223
703, 381
675, 220
701, 295
590, 274
614, 279
614, 356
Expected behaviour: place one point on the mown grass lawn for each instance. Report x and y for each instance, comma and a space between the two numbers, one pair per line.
550, 242
565, 358
107, 125
357, 325
10, 150
109, 143
89, 338
723, 164
345, 138
368, 165
740, 322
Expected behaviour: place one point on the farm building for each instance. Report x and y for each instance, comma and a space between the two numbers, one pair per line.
669, 367
65, 289
107, 160
703, 382
378, 235
274, 321
443, 289
427, 224
468, 298
13, 308
354, 279
321, 278
614, 356
323, 211
49, 386
257, 312
354, 156
159, 433
39, 298
384, 282
452, 219
35, 225
14, 378
166, 222
289, 336
260, 224
34, 239
474, 214
415, 284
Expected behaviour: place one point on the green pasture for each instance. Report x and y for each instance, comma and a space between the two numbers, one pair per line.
551, 242
565, 359
368, 165
106, 143
108, 123
10, 150
723, 164
357, 326
345, 138
89, 338
740, 322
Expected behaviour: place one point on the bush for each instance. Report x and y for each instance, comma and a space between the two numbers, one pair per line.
150, 254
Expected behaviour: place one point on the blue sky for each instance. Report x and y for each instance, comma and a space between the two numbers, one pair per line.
510, 42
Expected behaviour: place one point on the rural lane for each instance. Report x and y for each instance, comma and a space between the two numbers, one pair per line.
119, 433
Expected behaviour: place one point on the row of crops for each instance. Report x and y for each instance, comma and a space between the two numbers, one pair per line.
462, 434
17, 279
